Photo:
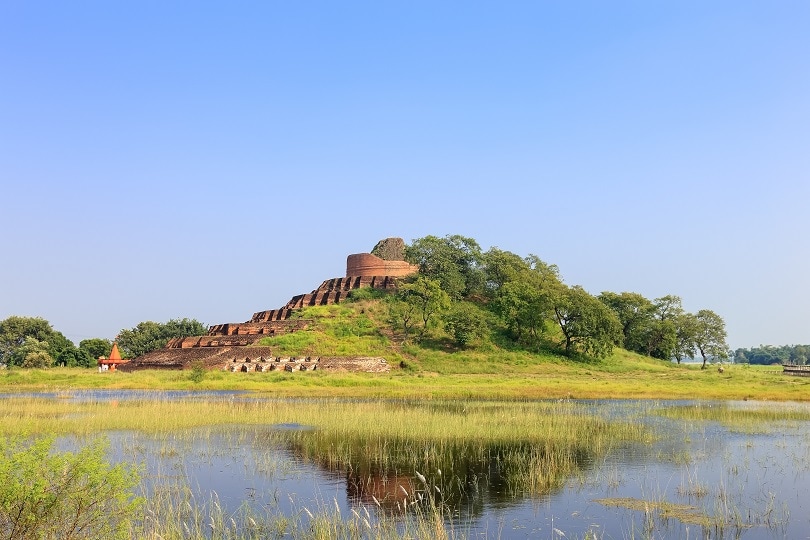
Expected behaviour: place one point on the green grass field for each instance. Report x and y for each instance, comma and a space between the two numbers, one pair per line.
622, 376
436, 369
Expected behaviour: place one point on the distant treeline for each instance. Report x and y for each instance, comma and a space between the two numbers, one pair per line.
768, 354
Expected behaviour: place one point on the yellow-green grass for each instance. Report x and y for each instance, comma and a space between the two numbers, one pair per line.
451, 420
437, 369
537, 444
747, 418
518, 376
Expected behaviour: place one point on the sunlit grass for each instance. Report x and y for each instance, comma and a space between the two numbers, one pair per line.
175, 513
748, 418
431, 449
437, 369
511, 376
535, 445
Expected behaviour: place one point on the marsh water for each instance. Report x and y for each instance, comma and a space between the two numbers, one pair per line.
694, 479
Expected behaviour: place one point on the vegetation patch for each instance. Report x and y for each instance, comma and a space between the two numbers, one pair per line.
50, 494
682, 512
747, 418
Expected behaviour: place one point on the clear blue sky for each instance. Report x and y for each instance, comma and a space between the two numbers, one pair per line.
209, 160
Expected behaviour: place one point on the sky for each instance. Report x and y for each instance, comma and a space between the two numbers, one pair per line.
209, 160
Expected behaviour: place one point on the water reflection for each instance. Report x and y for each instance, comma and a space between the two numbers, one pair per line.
734, 484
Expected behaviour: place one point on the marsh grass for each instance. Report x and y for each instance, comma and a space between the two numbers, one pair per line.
435, 453
534, 446
174, 510
173, 513
717, 513
750, 418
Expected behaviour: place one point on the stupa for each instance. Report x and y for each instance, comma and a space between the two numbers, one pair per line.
228, 343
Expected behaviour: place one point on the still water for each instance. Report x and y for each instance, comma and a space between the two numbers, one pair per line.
753, 485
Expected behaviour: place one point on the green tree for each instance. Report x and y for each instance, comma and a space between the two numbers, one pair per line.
421, 299
710, 335
33, 353
453, 261
635, 312
525, 308
588, 325
686, 327
149, 336
94, 348
799, 354
32, 342
667, 307
198, 372
525, 298
401, 314
63, 351
659, 334
501, 267
467, 323
45, 494
13, 333
763, 355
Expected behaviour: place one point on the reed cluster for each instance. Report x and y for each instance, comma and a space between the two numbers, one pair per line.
175, 514
747, 417
534, 446
416, 461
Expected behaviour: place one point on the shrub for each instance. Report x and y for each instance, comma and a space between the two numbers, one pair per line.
198, 372
466, 323
47, 494
366, 293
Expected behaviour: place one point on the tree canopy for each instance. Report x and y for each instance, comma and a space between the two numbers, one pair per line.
453, 261
588, 325
96, 347
710, 335
533, 307
149, 336
661, 328
419, 301
32, 342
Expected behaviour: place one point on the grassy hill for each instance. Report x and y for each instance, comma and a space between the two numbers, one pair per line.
436, 368
496, 368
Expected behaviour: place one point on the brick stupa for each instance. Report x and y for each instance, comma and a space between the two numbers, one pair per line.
230, 342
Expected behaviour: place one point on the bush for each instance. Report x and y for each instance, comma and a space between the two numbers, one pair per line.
47, 494
366, 293
198, 372
37, 360
466, 323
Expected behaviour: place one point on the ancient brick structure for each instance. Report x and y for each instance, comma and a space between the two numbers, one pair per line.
366, 264
220, 346
330, 292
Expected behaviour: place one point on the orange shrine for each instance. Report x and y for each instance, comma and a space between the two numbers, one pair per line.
108, 364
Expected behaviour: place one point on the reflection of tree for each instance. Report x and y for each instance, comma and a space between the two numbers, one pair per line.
463, 479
